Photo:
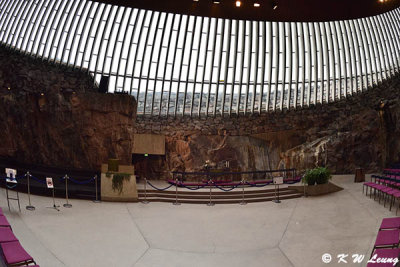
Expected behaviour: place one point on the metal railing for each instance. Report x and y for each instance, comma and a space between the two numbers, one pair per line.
234, 175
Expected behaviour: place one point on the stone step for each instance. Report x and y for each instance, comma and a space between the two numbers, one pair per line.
239, 195
221, 201
215, 191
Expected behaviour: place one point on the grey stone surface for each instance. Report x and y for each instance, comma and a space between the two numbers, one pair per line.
296, 232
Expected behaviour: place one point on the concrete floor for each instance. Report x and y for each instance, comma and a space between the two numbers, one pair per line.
296, 232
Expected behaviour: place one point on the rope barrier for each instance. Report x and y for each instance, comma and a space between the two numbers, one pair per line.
204, 173
80, 182
260, 185
194, 189
159, 189
197, 187
227, 190
38, 180
21, 177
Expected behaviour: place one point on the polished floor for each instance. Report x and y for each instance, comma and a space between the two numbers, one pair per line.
296, 232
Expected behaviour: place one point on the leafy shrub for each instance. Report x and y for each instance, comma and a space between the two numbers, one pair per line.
320, 175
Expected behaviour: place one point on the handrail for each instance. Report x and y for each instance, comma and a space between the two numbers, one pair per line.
210, 173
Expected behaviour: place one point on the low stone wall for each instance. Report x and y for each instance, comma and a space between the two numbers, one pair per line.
317, 190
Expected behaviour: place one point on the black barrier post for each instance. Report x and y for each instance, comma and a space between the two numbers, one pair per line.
145, 201
97, 194
66, 205
210, 203
243, 202
176, 203
54, 201
29, 207
276, 200
12, 198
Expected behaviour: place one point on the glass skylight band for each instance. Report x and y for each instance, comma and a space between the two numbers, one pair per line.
198, 66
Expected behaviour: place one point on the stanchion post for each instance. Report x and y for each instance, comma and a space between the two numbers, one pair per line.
145, 201
54, 201
176, 203
210, 203
276, 200
96, 189
29, 207
278, 195
66, 205
304, 187
8, 197
243, 202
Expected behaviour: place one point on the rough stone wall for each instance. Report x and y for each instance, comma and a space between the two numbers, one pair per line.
71, 125
342, 135
53, 116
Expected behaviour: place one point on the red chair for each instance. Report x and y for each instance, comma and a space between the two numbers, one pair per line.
15, 254
387, 239
6, 235
390, 223
4, 222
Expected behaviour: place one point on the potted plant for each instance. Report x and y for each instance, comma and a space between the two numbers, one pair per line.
319, 175
309, 178
323, 175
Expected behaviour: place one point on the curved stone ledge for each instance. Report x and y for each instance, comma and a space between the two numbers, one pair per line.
317, 190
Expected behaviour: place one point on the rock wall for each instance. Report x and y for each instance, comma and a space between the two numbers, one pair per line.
53, 116
351, 133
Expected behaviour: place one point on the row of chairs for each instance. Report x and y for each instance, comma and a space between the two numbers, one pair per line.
387, 242
394, 171
13, 252
391, 173
384, 188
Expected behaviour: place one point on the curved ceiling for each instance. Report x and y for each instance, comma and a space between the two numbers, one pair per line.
286, 10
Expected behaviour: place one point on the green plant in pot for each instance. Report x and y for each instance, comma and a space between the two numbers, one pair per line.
324, 175
319, 175
309, 178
